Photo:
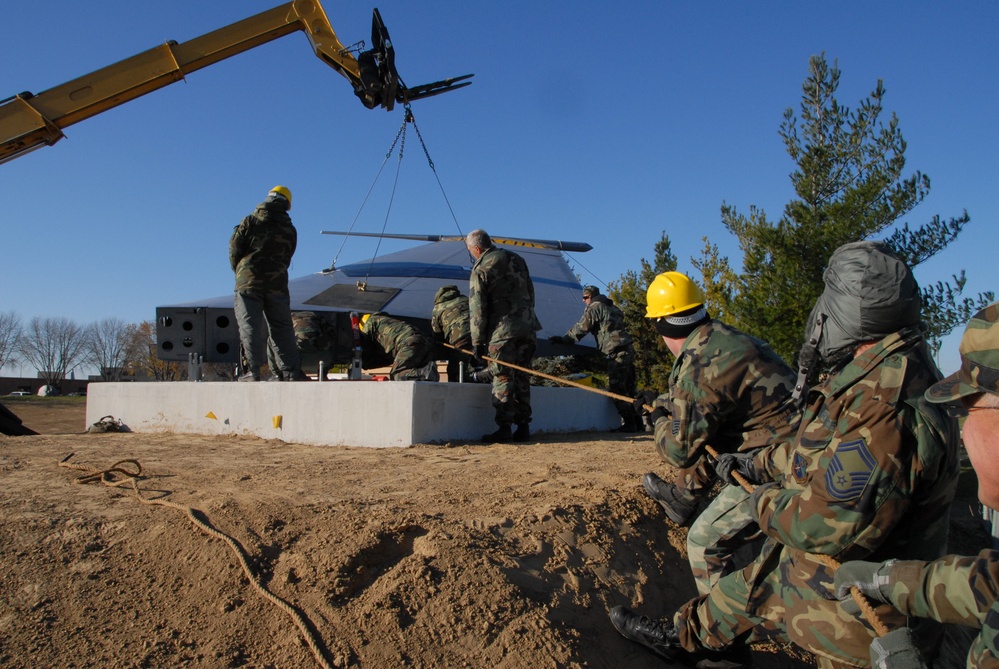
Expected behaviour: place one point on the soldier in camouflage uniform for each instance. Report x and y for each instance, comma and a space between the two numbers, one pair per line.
605, 322
412, 352
314, 338
449, 323
954, 589
260, 251
727, 390
504, 327
870, 473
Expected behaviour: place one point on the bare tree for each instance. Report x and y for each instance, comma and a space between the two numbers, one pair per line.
145, 360
53, 346
107, 344
10, 336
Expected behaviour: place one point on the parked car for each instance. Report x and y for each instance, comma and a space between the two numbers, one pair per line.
20, 393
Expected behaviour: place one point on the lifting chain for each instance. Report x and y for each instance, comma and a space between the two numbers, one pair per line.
400, 140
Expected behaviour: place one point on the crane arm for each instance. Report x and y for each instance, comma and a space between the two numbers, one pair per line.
30, 121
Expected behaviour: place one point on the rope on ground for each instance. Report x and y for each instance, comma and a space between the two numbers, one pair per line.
117, 476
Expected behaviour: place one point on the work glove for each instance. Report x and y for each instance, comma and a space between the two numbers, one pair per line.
727, 463
868, 577
645, 398
479, 354
896, 650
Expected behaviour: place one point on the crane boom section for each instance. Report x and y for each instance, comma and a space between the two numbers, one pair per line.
29, 121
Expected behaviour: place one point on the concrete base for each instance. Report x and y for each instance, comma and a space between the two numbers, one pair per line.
338, 413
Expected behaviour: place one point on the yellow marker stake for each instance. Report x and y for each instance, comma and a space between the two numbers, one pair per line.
277, 422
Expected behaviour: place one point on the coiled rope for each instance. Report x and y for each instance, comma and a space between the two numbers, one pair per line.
127, 473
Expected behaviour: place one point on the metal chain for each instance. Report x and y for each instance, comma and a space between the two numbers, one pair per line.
412, 119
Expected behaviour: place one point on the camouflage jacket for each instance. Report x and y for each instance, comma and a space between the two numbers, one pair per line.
395, 336
873, 468
261, 248
449, 318
727, 390
954, 589
501, 298
605, 322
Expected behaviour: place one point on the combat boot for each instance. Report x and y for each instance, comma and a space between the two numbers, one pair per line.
502, 435
249, 376
429, 372
522, 433
679, 509
659, 636
628, 424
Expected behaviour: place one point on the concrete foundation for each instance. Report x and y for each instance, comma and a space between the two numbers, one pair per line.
338, 413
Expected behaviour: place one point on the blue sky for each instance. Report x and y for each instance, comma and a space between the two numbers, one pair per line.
605, 122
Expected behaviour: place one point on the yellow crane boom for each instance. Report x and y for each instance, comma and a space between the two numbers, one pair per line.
30, 121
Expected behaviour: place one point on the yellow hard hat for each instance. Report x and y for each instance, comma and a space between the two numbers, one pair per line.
671, 293
284, 192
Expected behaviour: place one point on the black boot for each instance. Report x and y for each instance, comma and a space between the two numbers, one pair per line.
679, 509
628, 424
659, 636
522, 433
503, 434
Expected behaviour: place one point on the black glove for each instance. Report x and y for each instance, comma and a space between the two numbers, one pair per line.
645, 398
728, 463
556, 339
868, 577
479, 354
896, 650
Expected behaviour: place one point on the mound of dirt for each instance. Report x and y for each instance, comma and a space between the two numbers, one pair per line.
243, 552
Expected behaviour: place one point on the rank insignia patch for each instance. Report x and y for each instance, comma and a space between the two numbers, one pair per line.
850, 470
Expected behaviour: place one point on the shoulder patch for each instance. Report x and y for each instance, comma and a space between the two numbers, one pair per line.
850, 470
799, 467
675, 426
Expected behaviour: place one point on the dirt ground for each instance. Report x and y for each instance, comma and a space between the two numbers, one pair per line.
459, 555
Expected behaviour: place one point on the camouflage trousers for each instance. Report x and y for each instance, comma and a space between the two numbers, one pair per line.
621, 379
314, 338
512, 388
263, 314
455, 359
723, 538
784, 595
412, 355
697, 479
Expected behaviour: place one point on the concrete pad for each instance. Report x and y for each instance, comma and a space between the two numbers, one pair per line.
338, 413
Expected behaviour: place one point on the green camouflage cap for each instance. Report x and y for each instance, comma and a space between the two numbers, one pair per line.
979, 360
591, 290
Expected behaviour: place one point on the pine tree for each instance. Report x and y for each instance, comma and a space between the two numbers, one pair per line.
653, 361
849, 185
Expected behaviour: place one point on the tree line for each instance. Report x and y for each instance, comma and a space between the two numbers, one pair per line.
55, 347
